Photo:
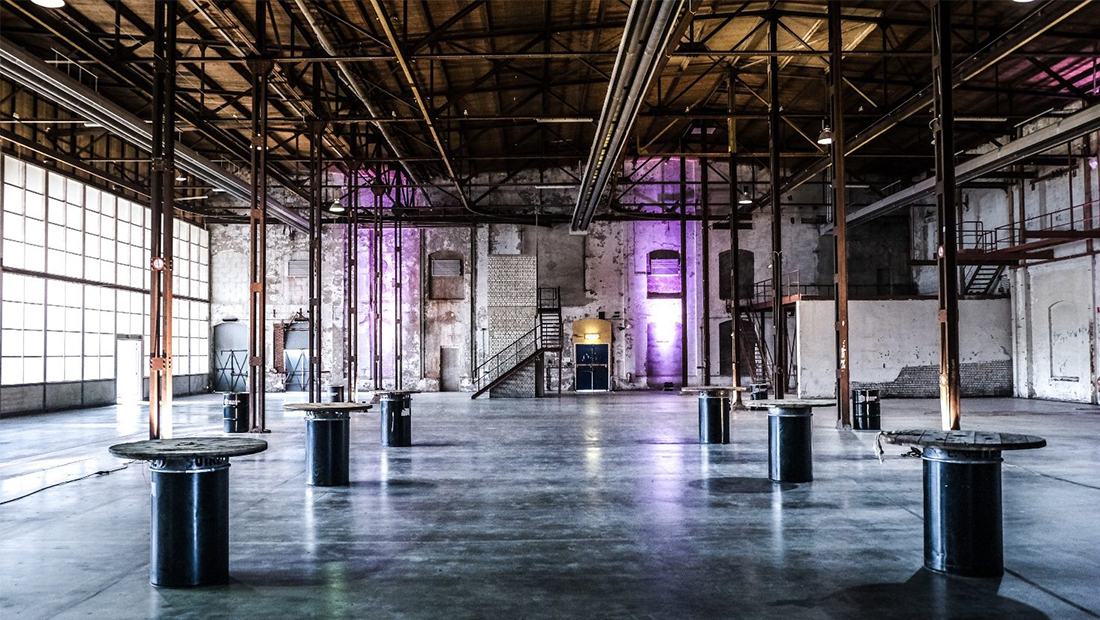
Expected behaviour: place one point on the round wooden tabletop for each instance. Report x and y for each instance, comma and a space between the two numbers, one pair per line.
713, 388
963, 440
790, 403
188, 448
392, 393
327, 407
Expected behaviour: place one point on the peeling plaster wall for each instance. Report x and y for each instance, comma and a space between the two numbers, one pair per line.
229, 261
895, 342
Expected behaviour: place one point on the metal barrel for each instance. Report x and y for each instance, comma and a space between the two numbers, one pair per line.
714, 418
962, 512
396, 418
790, 445
335, 393
190, 523
866, 410
235, 412
758, 391
327, 460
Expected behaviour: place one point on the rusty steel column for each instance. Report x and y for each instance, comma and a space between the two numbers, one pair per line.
398, 341
260, 68
946, 258
779, 319
735, 245
352, 297
704, 203
316, 174
161, 195
683, 273
377, 265
840, 206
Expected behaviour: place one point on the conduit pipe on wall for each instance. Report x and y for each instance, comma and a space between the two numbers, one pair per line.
31, 72
650, 28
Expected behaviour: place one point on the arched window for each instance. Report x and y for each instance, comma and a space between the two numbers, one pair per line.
663, 274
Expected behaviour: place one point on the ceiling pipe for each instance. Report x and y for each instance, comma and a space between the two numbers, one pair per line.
23, 68
410, 79
650, 28
1030, 27
354, 84
1070, 128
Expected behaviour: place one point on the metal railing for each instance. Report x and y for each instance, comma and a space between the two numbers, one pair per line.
546, 335
791, 284
973, 235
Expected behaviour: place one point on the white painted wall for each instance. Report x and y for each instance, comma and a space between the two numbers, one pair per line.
887, 335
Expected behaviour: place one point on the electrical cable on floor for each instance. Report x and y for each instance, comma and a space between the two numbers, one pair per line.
102, 472
1038, 473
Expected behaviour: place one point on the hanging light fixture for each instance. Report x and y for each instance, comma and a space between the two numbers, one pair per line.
825, 138
49, 4
745, 199
336, 207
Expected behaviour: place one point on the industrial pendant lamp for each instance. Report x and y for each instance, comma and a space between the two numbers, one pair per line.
49, 4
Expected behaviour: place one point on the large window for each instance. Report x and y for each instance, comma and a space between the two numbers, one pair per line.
76, 276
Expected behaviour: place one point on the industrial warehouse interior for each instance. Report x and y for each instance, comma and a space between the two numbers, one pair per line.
550, 309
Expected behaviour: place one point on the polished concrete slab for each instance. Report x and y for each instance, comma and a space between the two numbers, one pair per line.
579, 507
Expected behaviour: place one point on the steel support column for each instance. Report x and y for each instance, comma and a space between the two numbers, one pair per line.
946, 259
735, 245
683, 274
397, 288
161, 193
316, 197
779, 319
377, 265
704, 203
352, 297
840, 235
257, 221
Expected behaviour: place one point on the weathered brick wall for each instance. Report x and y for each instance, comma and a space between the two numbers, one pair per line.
511, 294
519, 385
978, 379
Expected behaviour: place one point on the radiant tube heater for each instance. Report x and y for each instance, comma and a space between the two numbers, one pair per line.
650, 26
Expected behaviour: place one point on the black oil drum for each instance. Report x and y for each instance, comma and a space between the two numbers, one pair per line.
790, 445
962, 512
235, 412
190, 523
335, 393
866, 410
714, 418
396, 418
327, 449
758, 391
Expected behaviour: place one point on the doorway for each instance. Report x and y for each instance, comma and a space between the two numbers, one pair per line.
450, 369
128, 372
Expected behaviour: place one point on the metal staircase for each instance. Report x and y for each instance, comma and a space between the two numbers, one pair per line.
980, 279
754, 347
546, 336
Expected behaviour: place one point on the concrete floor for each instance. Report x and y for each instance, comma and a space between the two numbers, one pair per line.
583, 507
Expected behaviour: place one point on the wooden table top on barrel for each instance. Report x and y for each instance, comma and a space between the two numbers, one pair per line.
712, 388
962, 440
188, 448
790, 403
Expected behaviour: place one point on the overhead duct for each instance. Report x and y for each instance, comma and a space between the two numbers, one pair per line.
650, 27
1069, 128
21, 67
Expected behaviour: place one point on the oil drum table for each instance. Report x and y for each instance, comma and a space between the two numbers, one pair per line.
328, 433
396, 418
189, 506
790, 437
714, 411
963, 532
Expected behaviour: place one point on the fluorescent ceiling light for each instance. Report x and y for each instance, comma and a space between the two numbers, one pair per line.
564, 119
558, 186
190, 198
